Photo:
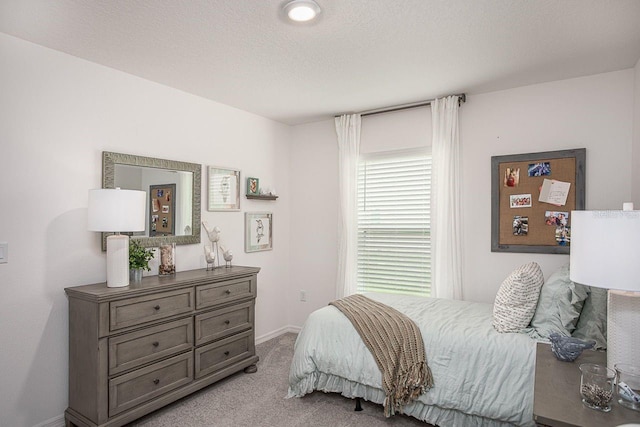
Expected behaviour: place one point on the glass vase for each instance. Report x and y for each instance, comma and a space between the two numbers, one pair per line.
596, 386
167, 259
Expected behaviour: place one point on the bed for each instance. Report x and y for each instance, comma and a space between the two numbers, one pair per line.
482, 377
482, 356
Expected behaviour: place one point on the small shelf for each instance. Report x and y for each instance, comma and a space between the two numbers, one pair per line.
259, 197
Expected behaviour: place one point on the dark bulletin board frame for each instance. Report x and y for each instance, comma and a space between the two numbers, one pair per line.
503, 210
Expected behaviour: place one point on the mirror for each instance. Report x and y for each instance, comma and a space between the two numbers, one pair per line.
173, 196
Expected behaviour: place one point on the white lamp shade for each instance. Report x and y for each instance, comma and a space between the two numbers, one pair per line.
116, 210
605, 249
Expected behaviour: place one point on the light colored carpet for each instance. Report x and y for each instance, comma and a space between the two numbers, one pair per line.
258, 400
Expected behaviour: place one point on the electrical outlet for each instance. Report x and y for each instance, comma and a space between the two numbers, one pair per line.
4, 252
303, 296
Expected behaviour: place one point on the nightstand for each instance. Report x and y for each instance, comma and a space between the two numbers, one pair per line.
557, 400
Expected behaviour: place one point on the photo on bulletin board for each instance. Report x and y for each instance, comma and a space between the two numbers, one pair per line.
532, 196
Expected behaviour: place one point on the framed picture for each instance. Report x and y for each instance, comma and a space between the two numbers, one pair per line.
258, 231
223, 189
532, 196
253, 188
162, 210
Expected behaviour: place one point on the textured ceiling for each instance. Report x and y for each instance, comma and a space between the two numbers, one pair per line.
360, 54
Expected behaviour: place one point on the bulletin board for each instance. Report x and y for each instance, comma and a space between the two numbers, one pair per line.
162, 212
532, 196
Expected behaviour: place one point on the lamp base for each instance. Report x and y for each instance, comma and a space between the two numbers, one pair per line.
117, 261
623, 328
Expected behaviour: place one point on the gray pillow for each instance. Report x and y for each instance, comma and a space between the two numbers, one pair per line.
560, 304
517, 298
592, 324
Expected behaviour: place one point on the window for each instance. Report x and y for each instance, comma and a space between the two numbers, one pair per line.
394, 239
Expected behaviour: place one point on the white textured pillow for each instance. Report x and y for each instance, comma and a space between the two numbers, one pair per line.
517, 298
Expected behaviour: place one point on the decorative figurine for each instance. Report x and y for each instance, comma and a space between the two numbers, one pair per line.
211, 252
567, 349
227, 255
210, 257
212, 232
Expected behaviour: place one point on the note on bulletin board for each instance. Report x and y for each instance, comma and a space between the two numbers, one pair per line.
554, 192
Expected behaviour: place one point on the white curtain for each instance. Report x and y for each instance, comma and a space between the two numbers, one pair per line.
446, 261
348, 130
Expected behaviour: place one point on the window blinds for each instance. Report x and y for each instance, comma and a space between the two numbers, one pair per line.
394, 248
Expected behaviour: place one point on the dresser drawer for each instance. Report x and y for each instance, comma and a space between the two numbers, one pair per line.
224, 322
134, 388
140, 310
222, 292
220, 354
138, 348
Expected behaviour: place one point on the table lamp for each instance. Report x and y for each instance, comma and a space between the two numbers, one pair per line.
116, 210
605, 253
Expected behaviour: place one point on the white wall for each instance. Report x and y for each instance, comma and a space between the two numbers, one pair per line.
314, 216
635, 187
592, 112
57, 114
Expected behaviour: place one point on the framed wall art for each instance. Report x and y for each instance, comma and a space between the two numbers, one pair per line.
258, 231
253, 187
223, 189
532, 196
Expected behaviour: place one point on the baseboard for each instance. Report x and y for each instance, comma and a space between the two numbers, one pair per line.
52, 422
277, 333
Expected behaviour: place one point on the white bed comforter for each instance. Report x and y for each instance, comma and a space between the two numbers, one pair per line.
482, 377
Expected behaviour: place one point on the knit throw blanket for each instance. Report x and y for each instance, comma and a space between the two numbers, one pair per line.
396, 344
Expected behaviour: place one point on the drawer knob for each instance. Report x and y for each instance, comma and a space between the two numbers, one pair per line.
226, 322
226, 353
156, 381
227, 292
157, 307
155, 343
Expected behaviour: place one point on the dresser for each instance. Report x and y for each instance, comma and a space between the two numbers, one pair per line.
136, 349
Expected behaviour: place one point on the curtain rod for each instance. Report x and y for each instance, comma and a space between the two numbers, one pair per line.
462, 98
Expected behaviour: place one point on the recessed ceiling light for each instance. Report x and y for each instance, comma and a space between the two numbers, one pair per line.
302, 10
